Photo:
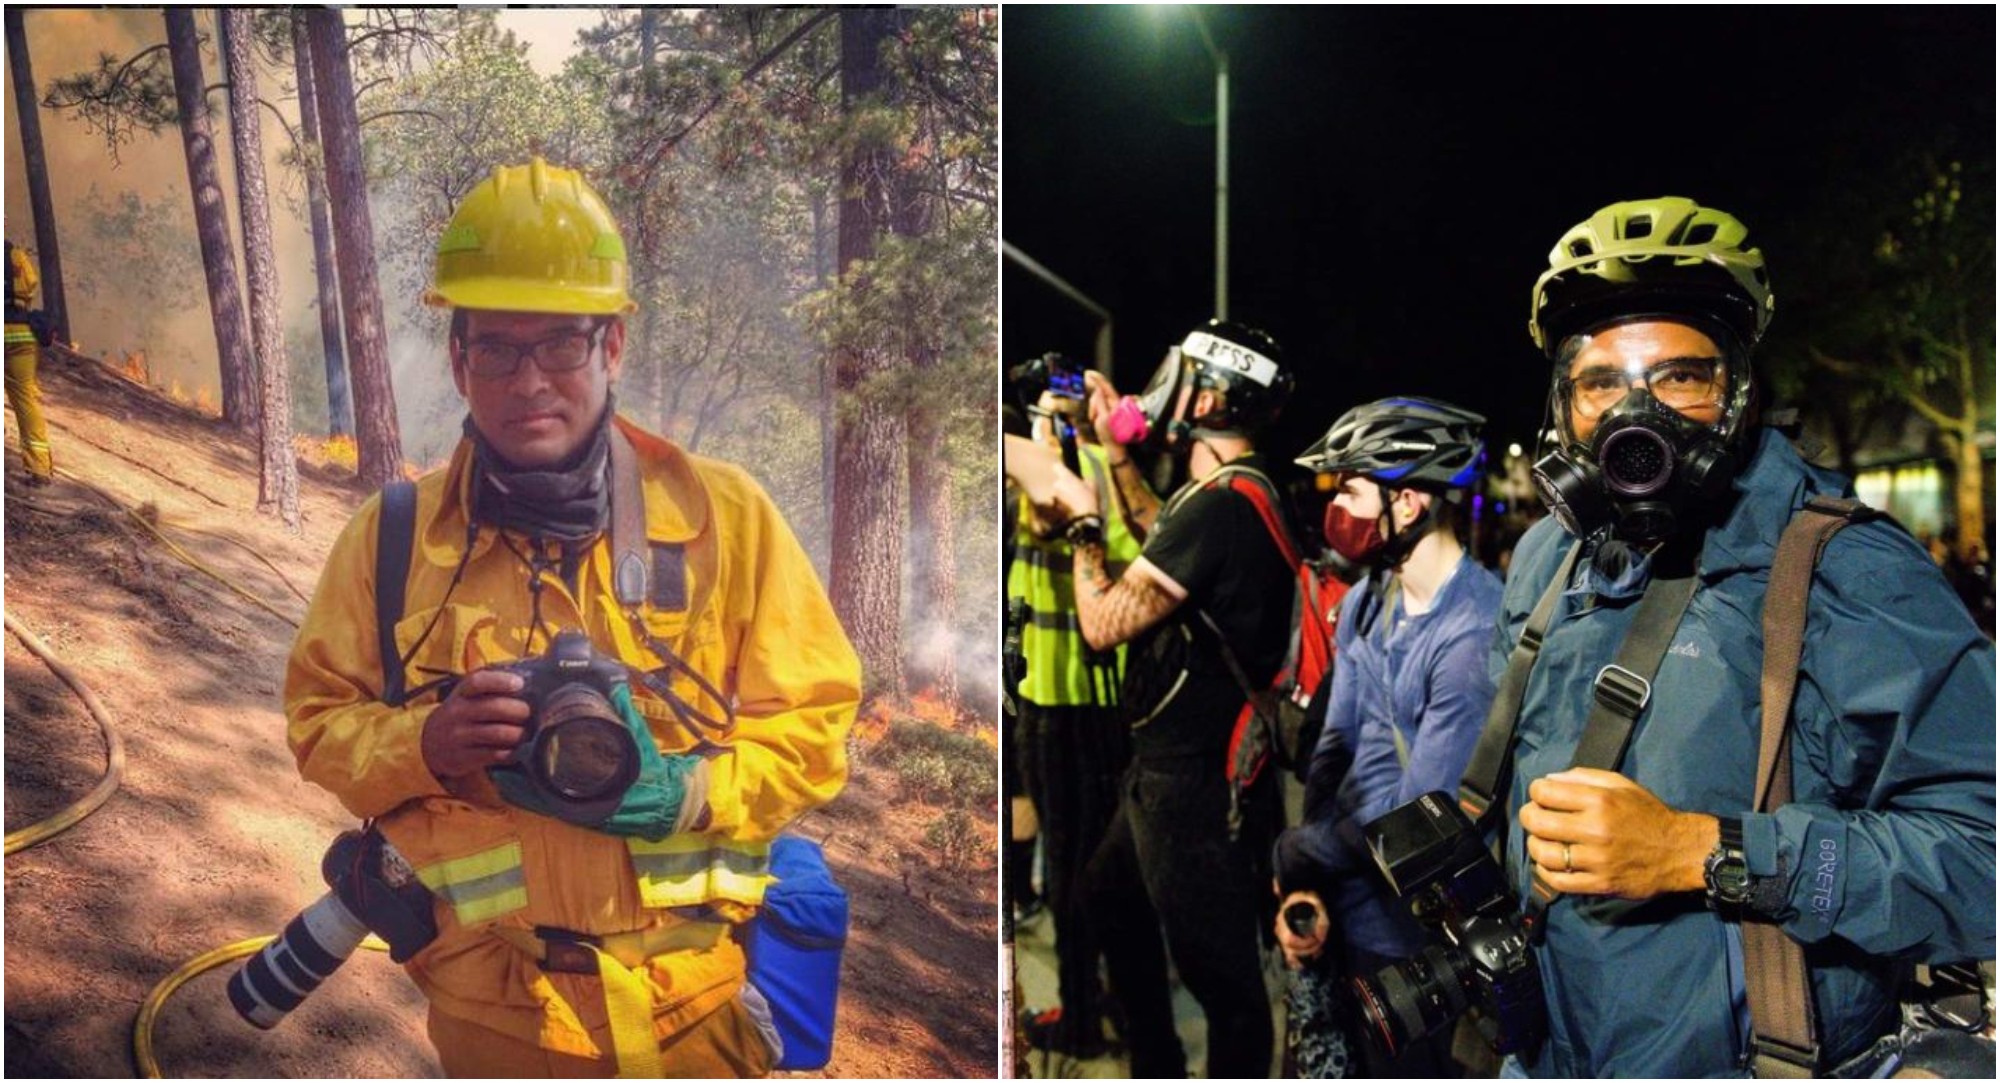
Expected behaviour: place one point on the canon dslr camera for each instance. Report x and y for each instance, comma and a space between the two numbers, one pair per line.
576, 750
1434, 859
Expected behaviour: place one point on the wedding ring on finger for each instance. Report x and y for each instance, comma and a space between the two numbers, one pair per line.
1568, 865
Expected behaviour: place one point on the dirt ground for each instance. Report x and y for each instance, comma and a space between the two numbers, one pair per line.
212, 836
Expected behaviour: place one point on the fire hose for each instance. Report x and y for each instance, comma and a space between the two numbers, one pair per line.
149, 1011
114, 748
142, 1030
190, 560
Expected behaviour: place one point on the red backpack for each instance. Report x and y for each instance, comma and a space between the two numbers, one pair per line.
1281, 722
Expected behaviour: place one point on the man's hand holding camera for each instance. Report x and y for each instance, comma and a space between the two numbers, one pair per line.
476, 726
1592, 832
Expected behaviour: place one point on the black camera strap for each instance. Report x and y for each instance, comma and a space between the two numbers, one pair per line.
1481, 791
630, 571
1624, 689
394, 534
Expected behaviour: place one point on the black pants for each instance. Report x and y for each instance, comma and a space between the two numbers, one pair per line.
1167, 866
1074, 758
1017, 859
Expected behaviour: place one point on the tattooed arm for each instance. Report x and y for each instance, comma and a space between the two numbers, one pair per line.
1138, 505
1113, 611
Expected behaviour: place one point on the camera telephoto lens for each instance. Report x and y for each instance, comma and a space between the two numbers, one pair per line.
1407, 1001
283, 975
584, 751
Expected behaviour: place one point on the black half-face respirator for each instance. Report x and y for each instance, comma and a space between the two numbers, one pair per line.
1647, 468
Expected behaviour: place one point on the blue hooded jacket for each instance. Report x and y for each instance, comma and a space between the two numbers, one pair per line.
1422, 686
1887, 848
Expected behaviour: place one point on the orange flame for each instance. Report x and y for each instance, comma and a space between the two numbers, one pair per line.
873, 723
878, 714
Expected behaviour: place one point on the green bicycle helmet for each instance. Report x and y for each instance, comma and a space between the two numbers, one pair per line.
1667, 256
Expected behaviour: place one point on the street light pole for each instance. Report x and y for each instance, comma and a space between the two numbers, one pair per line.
1221, 165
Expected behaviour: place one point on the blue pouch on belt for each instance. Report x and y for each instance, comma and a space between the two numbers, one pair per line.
794, 950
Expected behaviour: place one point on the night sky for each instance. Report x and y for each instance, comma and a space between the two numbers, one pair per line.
1398, 176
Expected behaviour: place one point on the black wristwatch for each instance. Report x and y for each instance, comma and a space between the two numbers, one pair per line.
1726, 872
1085, 530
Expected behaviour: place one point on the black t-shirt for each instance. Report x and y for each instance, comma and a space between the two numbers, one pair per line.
1214, 544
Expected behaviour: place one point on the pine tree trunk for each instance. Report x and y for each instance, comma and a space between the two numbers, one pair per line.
278, 474
376, 434
339, 405
211, 221
869, 436
934, 531
932, 649
48, 254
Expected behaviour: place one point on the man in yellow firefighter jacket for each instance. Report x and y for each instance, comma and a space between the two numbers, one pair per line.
24, 394
561, 949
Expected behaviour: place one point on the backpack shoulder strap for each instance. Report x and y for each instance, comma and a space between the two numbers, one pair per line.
1799, 549
394, 535
1783, 1033
1253, 485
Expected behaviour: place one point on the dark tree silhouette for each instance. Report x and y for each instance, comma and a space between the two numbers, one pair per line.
377, 437
339, 403
218, 258
48, 254
278, 468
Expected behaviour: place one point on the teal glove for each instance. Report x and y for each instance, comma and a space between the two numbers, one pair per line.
650, 809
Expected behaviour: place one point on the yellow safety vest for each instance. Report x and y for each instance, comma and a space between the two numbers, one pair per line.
1060, 673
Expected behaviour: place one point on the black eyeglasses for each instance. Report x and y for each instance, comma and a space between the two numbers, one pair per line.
1682, 384
568, 351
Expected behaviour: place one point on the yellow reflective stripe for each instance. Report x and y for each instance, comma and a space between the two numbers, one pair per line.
687, 870
481, 886
474, 911
19, 333
485, 863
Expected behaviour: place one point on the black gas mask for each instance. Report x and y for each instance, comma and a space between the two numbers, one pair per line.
1647, 471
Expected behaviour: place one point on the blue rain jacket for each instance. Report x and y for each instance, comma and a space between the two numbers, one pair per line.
1424, 681
1887, 846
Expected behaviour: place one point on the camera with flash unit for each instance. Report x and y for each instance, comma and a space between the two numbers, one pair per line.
1479, 958
576, 751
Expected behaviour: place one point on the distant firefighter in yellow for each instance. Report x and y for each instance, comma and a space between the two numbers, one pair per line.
27, 333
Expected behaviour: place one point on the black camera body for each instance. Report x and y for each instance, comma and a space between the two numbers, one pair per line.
1051, 372
575, 750
1434, 859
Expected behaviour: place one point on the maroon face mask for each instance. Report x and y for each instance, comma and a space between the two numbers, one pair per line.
1352, 537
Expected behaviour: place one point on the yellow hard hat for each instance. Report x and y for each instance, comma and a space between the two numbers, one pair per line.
532, 238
